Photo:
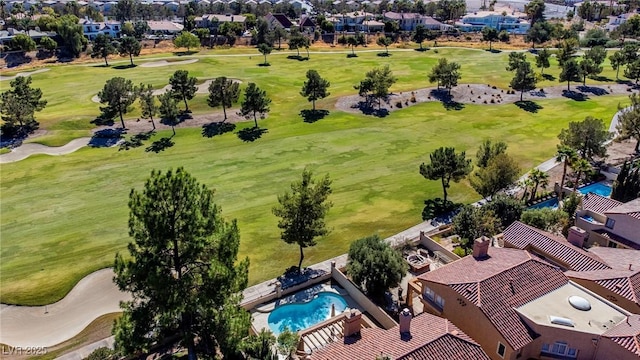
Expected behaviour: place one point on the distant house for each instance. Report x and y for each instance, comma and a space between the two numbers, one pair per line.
8, 35
615, 21
506, 19
278, 20
608, 222
409, 21
304, 6
307, 24
165, 27
91, 29
352, 21
212, 21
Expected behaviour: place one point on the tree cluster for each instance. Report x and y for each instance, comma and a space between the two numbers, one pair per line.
376, 85
104, 45
445, 74
627, 184
18, 106
375, 266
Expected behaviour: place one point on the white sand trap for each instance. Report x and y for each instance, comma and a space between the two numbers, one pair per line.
94, 296
167, 63
26, 150
26, 73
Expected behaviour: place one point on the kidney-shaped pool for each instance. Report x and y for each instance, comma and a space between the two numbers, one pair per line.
299, 316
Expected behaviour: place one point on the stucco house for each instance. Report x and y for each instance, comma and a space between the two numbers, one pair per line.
212, 21
509, 20
91, 29
608, 222
409, 21
518, 306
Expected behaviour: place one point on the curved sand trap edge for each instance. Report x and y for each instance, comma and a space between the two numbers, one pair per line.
26, 73
93, 296
202, 89
167, 63
26, 150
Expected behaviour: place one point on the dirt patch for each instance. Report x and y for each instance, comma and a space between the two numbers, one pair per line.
619, 151
167, 63
479, 94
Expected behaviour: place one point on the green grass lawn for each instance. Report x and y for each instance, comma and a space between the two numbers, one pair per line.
64, 217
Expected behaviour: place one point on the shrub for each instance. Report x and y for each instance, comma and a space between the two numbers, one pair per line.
399, 104
102, 353
413, 98
459, 251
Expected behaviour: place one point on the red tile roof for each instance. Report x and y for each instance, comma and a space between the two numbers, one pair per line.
631, 208
617, 258
598, 204
627, 334
507, 279
522, 236
622, 282
432, 338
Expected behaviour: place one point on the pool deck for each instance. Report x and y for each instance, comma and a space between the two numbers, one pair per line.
260, 315
268, 287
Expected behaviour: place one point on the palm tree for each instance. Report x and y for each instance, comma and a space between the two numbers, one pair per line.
566, 155
581, 167
539, 178
525, 184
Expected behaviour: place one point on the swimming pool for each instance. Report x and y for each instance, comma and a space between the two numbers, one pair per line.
551, 203
299, 316
597, 188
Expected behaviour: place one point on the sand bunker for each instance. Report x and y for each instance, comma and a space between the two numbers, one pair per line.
26, 150
26, 73
167, 63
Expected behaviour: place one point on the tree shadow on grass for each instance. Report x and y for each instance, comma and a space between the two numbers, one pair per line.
593, 90
574, 95
184, 53
368, 109
124, 67
160, 145
549, 77
421, 50
601, 78
217, 128
264, 64
352, 55
529, 106
106, 137
384, 54
494, 51
251, 134
443, 96
297, 57
625, 82
136, 140
311, 116
436, 208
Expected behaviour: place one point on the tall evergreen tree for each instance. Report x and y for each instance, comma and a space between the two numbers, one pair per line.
587, 137
315, 88
183, 87
446, 166
302, 211
182, 270
19, 104
255, 103
130, 46
627, 184
629, 121
148, 106
225, 92
524, 78
118, 94
571, 71
103, 47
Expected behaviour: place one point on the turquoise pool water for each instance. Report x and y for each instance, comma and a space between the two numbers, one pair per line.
552, 203
299, 316
597, 188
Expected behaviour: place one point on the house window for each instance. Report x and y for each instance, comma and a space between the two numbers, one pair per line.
560, 348
428, 292
610, 223
435, 298
501, 349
